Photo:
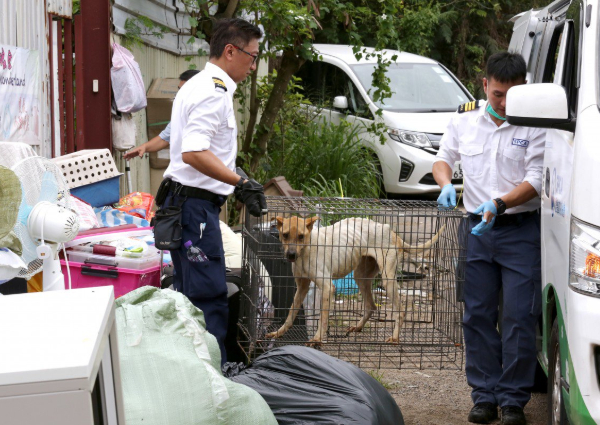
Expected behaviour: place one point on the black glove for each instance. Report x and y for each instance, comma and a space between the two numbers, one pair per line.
252, 195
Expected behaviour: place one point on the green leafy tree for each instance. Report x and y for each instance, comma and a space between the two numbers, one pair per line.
461, 34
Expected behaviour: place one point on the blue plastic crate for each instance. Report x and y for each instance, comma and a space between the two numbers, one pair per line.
99, 194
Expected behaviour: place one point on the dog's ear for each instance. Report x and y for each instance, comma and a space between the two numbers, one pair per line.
279, 221
310, 221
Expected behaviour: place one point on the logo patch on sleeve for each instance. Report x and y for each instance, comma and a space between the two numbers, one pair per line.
520, 143
219, 84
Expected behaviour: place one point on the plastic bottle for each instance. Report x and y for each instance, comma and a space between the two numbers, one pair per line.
195, 254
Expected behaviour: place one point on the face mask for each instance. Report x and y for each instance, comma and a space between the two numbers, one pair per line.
491, 111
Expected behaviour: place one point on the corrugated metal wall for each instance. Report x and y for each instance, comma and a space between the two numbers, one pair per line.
24, 23
62, 8
168, 13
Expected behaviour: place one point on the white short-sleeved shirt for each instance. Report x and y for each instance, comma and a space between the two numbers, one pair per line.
203, 119
494, 159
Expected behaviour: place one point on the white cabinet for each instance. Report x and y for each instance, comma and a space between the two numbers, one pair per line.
59, 361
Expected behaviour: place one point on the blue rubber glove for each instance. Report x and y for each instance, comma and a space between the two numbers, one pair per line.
447, 198
484, 226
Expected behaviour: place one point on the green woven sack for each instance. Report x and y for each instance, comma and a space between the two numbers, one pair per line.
170, 366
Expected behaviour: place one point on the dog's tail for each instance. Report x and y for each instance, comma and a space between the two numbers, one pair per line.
419, 248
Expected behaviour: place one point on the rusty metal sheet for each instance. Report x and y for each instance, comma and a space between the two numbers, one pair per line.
62, 8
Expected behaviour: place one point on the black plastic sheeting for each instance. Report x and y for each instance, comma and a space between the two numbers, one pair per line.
306, 386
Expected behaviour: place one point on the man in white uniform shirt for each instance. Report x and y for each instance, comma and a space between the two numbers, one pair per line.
161, 141
502, 167
201, 172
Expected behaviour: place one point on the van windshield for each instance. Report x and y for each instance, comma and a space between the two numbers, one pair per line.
416, 87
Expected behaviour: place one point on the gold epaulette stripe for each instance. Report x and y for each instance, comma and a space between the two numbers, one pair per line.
469, 106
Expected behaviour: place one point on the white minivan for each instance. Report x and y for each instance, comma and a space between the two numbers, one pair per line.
425, 95
561, 44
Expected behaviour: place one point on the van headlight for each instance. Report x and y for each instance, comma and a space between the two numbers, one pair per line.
412, 138
584, 264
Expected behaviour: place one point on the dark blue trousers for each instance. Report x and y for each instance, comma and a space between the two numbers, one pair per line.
203, 283
501, 367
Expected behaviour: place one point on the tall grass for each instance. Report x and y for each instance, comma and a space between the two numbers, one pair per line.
325, 160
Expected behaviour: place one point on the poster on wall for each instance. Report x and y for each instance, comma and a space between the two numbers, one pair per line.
19, 95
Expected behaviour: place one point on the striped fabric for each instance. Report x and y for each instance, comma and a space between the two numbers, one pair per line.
110, 217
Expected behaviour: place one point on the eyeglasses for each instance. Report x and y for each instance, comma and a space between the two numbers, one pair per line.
254, 57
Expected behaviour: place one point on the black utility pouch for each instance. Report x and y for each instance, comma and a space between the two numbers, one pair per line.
162, 192
167, 228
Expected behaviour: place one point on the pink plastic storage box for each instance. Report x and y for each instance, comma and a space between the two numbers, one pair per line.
123, 280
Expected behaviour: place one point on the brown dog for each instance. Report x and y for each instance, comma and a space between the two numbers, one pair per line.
354, 244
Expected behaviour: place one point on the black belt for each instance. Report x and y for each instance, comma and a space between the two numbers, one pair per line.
507, 219
194, 192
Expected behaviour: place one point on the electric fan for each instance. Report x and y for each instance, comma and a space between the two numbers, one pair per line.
44, 220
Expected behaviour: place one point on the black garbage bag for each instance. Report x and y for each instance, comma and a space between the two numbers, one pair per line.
306, 386
230, 369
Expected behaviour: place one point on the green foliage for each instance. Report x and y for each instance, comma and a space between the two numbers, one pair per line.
76, 6
418, 27
324, 160
460, 34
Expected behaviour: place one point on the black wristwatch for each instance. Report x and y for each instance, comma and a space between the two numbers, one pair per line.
501, 206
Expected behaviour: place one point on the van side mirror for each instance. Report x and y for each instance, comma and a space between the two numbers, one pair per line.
542, 105
340, 102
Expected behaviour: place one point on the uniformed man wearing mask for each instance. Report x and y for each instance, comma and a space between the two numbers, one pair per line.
203, 152
502, 183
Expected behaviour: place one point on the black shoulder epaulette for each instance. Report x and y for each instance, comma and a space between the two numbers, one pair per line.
219, 84
470, 106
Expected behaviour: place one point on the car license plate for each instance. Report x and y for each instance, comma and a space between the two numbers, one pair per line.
457, 173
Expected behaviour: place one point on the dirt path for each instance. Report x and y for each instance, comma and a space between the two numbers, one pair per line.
442, 397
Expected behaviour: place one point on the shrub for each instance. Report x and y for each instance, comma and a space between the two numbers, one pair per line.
325, 160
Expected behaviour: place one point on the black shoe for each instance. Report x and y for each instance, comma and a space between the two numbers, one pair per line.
513, 415
483, 413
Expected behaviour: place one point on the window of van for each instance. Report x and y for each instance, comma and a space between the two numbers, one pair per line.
572, 65
416, 87
323, 81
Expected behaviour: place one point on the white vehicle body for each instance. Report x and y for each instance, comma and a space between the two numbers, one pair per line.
426, 95
561, 44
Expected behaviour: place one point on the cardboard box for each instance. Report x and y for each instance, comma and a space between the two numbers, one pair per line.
160, 97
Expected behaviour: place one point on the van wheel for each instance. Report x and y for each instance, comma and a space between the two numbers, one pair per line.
557, 414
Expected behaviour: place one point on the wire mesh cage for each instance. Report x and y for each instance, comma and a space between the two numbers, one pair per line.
374, 282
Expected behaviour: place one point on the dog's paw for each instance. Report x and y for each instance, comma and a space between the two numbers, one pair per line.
314, 343
392, 340
354, 329
272, 335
